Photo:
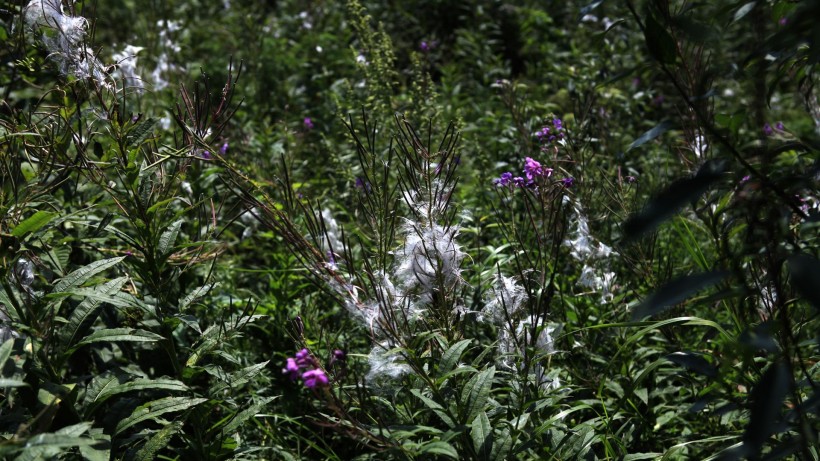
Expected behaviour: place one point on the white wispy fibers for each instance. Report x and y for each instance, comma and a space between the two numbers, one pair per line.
504, 301
429, 260
509, 349
167, 45
583, 245
385, 362
127, 68
63, 35
600, 281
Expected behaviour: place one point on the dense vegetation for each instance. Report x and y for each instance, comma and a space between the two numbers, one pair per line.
409, 230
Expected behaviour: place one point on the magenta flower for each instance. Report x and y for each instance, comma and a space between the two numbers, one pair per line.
313, 378
767, 129
424, 46
308, 123
504, 180
224, 149
568, 181
291, 369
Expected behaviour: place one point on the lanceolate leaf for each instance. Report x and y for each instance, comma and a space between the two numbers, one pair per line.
668, 202
656, 131
676, 291
805, 274
157, 442
243, 416
241, 377
33, 223
118, 334
139, 384
168, 238
482, 434
437, 409
83, 316
475, 394
194, 295
81, 275
767, 400
451, 356
154, 409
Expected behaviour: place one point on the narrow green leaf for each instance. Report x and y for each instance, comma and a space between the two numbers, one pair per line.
475, 394
693, 362
743, 11
140, 132
676, 291
195, 294
244, 415
83, 316
236, 379
5, 382
168, 238
157, 441
139, 384
81, 275
435, 407
805, 276
482, 434
5, 351
767, 401
501, 449
661, 45
33, 223
451, 356
672, 199
118, 334
154, 409
439, 448
656, 131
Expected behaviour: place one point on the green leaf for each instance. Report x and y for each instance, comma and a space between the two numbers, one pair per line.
139, 384
743, 11
157, 441
244, 415
81, 275
767, 401
33, 223
451, 356
805, 276
168, 238
435, 407
83, 316
140, 132
5, 351
154, 409
676, 291
475, 394
693, 362
501, 449
194, 295
482, 434
439, 448
661, 45
118, 334
6, 382
234, 380
656, 131
668, 202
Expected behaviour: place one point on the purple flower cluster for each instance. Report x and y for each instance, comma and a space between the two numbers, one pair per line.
769, 131
305, 367
549, 134
532, 170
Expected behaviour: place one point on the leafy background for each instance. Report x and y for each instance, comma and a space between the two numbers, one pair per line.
166, 240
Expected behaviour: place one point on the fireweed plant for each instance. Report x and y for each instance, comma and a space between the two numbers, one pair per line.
610, 253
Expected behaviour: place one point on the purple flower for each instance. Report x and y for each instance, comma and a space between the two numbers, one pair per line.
783, 21
362, 184
291, 369
308, 123
569, 181
338, 356
224, 149
206, 155
745, 178
767, 129
313, 378
518, 181
504, 180
779, 126
631, 179
424, 46
532, 168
